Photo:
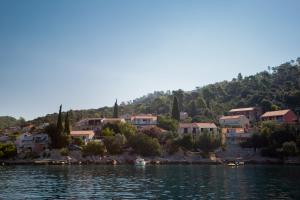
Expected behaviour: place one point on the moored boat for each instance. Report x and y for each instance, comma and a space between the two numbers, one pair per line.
140, 162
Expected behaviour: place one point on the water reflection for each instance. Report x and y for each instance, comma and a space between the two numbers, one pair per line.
150, 182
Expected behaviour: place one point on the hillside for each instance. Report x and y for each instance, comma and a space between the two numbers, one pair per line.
7, 121
277, 88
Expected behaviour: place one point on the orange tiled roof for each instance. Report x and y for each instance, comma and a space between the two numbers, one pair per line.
231, 117
242, 109
90, 134
197, 125
275, 113
143, 117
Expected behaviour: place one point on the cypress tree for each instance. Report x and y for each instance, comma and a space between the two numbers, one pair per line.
67, 124
175, 109
116, 110
59, 121
193, 109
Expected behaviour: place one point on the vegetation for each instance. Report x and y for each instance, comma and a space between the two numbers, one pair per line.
64, 151
59, 125
116, 110
78, 141
7, 151
175, 109
67, 125
275, 140
145, 145
115, 144
111, 129
93, 149
6, 122
167, 123
274, 88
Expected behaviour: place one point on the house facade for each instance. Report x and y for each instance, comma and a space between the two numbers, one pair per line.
84, 135
197, 128
32, 142
252, 113
234, 121
143, 120
280, 116
96, 124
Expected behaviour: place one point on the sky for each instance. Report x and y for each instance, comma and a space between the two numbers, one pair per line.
85, 54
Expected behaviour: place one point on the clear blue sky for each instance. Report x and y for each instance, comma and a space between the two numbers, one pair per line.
85, 54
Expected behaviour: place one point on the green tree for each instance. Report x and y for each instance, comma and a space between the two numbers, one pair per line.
67, 125
145, 145
93, 149
208, 142
58, 139
193, 109
289, 148
175, 109
116, 110
167, 123
59, 121
107, 132
7, 151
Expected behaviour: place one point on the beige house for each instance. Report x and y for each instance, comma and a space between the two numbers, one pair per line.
197, 128
252, 113
143, 120
96, 124
235, 121
86, 136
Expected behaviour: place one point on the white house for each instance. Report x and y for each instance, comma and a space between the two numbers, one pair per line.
235, 121
32, 142
197, 128
96, 124
86, 136
143, 120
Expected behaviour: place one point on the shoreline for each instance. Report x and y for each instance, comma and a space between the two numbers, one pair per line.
149, 162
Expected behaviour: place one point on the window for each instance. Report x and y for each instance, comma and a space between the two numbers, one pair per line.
194, 130
185, 130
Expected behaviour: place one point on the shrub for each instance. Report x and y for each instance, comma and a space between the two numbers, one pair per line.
114, 144
7, 151
78, 141
208, 142
93, 148
64, 152
289, 149
186, 142
145, 145
167, 123
107, 132
152, 131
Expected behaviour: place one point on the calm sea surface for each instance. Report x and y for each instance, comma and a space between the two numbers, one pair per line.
151, 182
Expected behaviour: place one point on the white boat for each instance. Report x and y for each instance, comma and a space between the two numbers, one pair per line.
140, 162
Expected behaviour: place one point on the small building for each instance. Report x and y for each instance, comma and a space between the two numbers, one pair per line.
32, 142
96, 124
197, 128
143, 120
280, 116
234, 121
252, 113
4, 139
85, 135
184, 115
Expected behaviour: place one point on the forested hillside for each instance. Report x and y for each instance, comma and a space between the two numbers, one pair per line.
276, 88
6, 121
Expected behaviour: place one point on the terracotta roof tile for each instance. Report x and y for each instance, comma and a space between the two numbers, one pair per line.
275, 113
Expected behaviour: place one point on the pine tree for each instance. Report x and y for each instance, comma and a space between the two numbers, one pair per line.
67, 124
116, 110
175, 110
59, 121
